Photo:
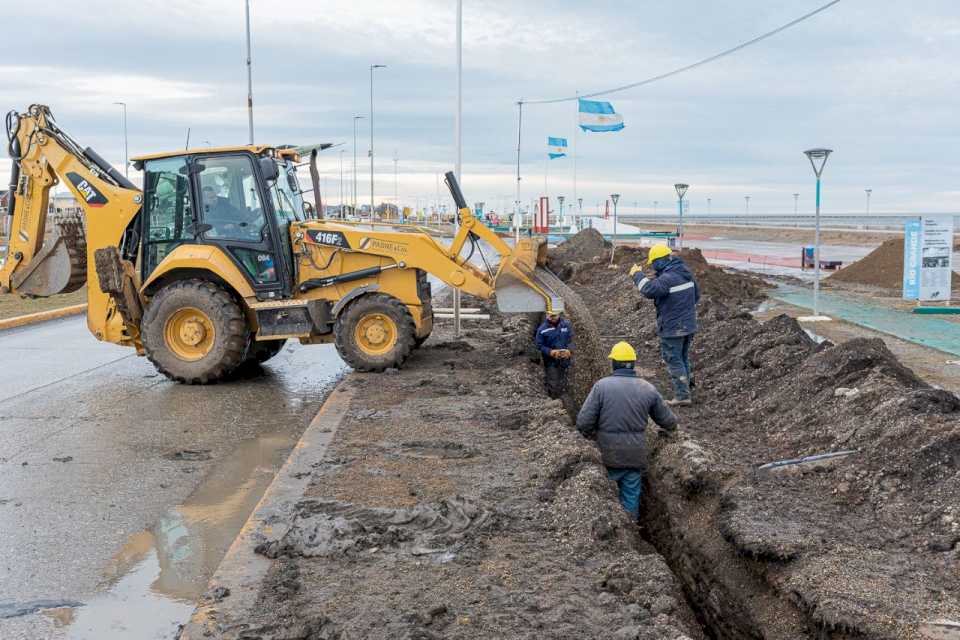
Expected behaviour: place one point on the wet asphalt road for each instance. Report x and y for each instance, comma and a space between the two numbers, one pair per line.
120, 490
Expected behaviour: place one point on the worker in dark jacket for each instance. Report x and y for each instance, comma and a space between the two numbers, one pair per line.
555, 342
615, 413
675, 294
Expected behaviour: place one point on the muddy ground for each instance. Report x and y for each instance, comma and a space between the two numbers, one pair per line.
865, 546
456, 501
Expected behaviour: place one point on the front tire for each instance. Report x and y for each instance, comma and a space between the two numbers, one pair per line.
375, 332
194, 332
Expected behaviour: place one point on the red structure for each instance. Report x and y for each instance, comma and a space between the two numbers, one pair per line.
541, 219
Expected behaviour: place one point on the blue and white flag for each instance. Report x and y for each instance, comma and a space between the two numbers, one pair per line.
557, 147
599, 116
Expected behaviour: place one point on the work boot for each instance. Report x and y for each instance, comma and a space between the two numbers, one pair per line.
680, 402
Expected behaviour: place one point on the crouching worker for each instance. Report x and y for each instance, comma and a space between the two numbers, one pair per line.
554, 340
615, 413
675, 294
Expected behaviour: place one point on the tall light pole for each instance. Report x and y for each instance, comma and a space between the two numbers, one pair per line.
818, 160
868, 192
249, 74
560, 199
396, 185
656, 203
579, 212
709, 206
126, 148
353, 200
747, 200
796, 203
681, 191
341, 182
613, 244
372, 67
458, 143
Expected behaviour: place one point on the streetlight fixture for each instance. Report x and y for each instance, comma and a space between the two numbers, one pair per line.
868, 192
372, 67
796, 203
579, 212
747, 199
681, 191
353, 200
709, 206
818, 160
655, 204
560, 199
126, 148
613, 244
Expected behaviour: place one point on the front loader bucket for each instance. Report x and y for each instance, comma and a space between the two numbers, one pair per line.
59, 267
523, 285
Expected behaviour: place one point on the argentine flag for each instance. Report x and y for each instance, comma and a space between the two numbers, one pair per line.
557, 147
599, 116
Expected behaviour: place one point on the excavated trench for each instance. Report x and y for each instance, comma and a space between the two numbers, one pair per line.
860, 547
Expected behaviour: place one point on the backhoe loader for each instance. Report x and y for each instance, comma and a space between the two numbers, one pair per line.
218, 260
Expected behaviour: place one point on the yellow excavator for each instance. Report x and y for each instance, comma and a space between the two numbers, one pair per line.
218, 260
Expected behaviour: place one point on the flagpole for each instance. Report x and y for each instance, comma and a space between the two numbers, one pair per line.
516, 215
576, 133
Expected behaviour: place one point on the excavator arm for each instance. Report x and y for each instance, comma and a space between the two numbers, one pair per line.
44, 260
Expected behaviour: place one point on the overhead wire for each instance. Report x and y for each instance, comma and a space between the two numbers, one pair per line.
688, 67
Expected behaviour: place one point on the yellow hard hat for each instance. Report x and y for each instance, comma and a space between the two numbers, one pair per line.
658, 251
623, 352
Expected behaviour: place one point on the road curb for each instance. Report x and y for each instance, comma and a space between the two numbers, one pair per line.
242, 570
42, 316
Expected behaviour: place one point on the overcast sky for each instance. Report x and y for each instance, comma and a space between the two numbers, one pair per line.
876, 81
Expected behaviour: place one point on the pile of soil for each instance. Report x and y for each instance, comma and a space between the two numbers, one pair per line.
456, 501
864, 545
882, 267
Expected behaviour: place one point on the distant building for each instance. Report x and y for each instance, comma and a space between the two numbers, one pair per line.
3, 199
64, 203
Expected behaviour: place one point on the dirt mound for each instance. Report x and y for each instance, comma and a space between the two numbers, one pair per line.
582, 247
882, 267
855, 540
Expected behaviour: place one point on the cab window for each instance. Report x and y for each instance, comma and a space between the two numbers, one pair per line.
168, 208
230, 201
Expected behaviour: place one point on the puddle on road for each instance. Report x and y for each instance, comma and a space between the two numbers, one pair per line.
152, 584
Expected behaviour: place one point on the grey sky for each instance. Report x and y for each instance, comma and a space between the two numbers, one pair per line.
876, 81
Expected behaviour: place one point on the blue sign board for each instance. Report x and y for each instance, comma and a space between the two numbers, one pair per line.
912, 259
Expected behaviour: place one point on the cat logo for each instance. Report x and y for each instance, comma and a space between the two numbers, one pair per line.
87, 191
373, 244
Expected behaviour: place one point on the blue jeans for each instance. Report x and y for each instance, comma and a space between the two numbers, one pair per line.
630, 484
676, 355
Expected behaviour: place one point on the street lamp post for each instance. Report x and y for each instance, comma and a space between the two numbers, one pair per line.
747, 199
868, 192
681, 191
579, 212
249, 75
709, 206
796, 203
560, 199
655, 204
372, 67
818, 160
613, 244
126, 148
353, 199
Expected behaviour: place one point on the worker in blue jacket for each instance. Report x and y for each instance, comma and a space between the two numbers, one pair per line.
675, 294
555, 341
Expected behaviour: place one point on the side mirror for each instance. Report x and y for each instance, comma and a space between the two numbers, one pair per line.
269, 169
198, 228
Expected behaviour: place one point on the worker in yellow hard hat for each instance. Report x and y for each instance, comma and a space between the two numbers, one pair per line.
615, 414
675, 294
555, 342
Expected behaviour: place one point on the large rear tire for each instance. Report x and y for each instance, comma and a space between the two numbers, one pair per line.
194, 332
375, 332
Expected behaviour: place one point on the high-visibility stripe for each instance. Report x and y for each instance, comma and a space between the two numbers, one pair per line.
548, 329
682, 287
642, 283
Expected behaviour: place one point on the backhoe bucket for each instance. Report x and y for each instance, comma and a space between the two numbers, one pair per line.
61, 264
523, 285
